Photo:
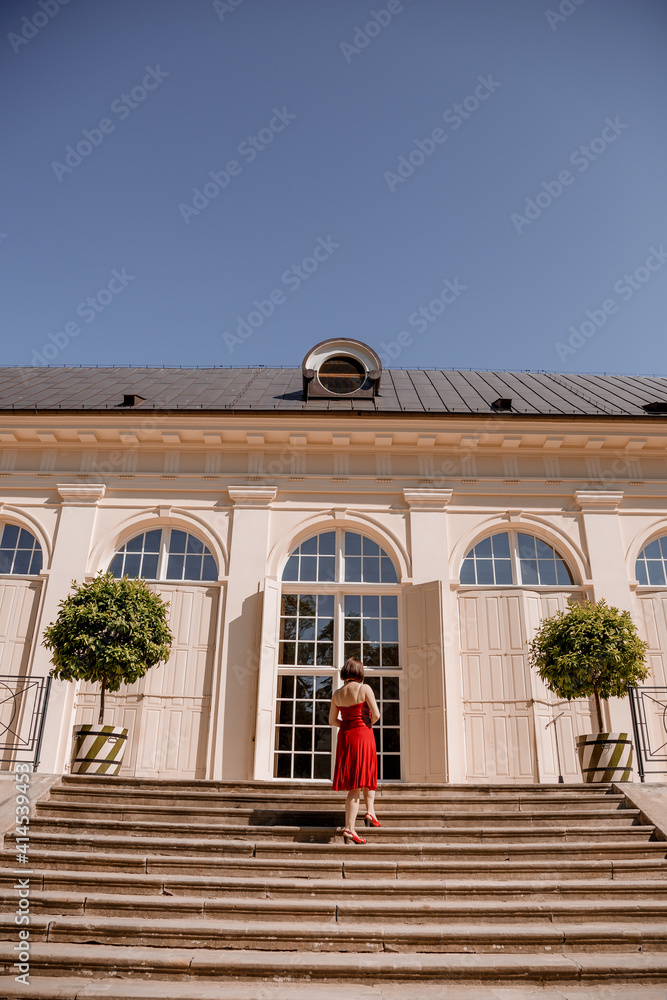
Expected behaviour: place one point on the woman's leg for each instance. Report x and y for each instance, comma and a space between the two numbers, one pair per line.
369, 798
352, 808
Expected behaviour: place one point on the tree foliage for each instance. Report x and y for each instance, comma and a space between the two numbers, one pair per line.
590, 649
108, 632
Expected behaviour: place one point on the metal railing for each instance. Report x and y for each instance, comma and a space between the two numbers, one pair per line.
23, 704
648, 706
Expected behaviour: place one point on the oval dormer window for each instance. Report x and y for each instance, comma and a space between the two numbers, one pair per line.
341, 375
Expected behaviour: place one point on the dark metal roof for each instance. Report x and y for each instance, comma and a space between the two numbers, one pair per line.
280, 389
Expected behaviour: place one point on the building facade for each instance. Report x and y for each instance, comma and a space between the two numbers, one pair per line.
424, 520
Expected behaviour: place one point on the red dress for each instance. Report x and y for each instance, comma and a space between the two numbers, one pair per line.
356, 757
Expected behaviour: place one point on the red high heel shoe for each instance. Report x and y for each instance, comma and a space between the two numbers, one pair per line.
371, 820
353, 837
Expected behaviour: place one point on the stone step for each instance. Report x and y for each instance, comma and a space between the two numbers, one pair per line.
160, 963
57, 811
340, 908
433, 833
349, 863
384, 845
579, 886
333, 936
85, 988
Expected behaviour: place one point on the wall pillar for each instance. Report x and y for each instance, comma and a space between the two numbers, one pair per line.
609, 573
71, 550
429, 548
233, 748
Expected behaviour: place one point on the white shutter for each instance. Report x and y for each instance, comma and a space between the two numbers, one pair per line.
422, 684
266, 682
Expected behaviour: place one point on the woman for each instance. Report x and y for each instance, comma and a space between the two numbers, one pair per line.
356, 756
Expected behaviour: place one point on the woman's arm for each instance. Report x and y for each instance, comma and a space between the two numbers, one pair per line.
333, 714
372, 704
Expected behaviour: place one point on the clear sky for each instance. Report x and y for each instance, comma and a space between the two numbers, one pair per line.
459, 183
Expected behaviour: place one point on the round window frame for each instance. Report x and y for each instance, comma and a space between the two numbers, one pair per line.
363, 374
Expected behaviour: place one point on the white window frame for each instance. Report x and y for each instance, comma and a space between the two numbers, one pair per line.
516, 565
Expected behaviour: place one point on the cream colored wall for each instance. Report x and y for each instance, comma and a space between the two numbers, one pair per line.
253, 486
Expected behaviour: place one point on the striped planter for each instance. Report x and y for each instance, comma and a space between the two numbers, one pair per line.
605, 756
98, 749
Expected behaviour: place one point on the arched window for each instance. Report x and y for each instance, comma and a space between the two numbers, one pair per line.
339, 599
165, 554
514, 558
20, 552
651, 565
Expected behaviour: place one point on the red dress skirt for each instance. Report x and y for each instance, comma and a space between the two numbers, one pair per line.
356, 757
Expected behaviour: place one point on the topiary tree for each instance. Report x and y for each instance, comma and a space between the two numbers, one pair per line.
108, 632
590, 649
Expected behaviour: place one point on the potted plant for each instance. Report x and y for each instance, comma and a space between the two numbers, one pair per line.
593, 650
108, 632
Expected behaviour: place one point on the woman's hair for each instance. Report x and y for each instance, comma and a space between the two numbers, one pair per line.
352, 670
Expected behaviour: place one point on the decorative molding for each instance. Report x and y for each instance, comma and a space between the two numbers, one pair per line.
427, 499
81, 494
171, 437
635, 444
511, 442
553, 442
384, 440
594, 443
7, 436
252, 496
254, 438
598, 500
298, 440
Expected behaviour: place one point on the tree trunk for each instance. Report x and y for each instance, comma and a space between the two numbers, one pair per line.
598, 706
101, 715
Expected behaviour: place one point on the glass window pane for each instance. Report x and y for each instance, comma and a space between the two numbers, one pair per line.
291, 571
284, 738
328, 543
371, 656
484, 571
149, 567
544, 551
283, 765
391, 768
303, 738
391, 740
352, 649
322, 766
370, 548
116, 566
6, 560
656, 572
135, 544
663, 546
285, 711
501, 546
640, 570
352, 605
322, 713
287, 628
468, 571
153, 540
390, 607
290, 604
307, 605
192, 567
210, 570
302, 765
353, 629
177, 541
324, 654
175, 567
389, 630
323, 739
285, 686
36, 564
388, 572
371, 629
22, 561
10, 536
324, 688
390, 688
132, 564
652, 550
309, 568
306, 628
389, 655
371, 606
529, 571
371, 570
353, 569
304, 687
390, 714
325, 629
375, 685
303, 713
287, 653
562, 572
325, 605
327, 569
305, 654
527, 546
503, 571
546, 572
483, 549
309, 547
352, 543
194, 544
26, 540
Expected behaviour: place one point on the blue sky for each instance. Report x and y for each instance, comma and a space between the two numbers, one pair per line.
475, 184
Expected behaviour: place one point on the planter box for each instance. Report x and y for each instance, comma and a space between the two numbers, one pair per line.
605, 756
98, 749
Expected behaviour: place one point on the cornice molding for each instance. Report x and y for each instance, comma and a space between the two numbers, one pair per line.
252, 496
427, 499
81, 494
605, 501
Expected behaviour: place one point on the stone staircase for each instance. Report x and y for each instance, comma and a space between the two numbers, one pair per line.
158, 889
